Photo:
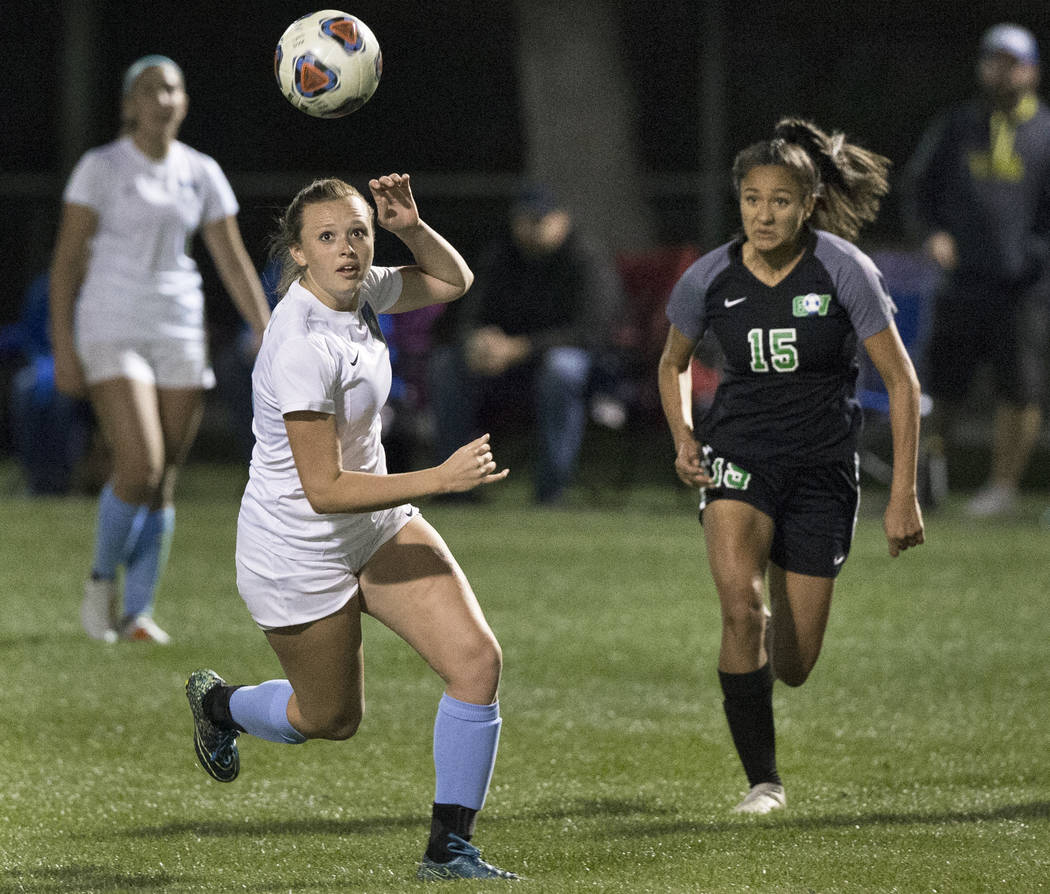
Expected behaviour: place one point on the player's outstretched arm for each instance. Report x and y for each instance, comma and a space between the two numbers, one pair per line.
440, 273
330, 488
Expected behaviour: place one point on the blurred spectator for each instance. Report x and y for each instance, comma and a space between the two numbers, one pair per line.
52, 432
978, 195
529, 332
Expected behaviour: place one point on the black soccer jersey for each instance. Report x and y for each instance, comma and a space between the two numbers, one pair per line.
790, 350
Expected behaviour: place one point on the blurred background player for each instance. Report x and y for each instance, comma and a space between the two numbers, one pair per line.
526, 337
776, 455
326, 535
978, 195
127, 327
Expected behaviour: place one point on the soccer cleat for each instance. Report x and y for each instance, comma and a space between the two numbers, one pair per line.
466, 864
143, 629
763, 798
216, 748
98, 608
993, 501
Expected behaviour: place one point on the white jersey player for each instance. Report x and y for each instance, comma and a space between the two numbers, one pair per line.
128, 330
326, 535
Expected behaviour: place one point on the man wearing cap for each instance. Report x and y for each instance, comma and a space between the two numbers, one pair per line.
526, 336
977, 193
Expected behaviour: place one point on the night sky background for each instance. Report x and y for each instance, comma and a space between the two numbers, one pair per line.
448, 102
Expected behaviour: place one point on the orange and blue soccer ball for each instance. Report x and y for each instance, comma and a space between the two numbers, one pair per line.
328, 64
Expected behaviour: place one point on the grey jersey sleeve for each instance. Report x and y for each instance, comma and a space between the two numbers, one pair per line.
860, 287
686, 308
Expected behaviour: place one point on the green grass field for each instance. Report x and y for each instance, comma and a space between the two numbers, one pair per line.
915, 757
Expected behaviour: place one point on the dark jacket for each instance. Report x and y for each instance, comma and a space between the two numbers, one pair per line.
570, 297
996, 204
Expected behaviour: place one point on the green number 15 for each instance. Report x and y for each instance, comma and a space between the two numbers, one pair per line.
782, 352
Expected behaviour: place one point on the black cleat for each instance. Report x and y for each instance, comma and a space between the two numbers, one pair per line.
215, 746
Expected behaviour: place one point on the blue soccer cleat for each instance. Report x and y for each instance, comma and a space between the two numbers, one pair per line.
466, 863
215, 746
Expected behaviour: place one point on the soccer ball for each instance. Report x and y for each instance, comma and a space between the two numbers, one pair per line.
328, 64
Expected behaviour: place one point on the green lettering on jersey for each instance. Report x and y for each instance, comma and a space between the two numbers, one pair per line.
735, 478
810, 305
730, 475
783, 353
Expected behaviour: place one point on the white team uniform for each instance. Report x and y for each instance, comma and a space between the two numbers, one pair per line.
293, 564
140, 310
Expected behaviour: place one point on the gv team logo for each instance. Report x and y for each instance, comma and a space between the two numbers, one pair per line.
811, 305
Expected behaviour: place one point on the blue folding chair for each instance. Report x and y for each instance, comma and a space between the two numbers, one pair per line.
911, 279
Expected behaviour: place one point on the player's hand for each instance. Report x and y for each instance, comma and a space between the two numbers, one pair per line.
470, 466
903, 525
395, 206
689, 465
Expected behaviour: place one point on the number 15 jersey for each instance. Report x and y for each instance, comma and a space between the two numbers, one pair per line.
790, 367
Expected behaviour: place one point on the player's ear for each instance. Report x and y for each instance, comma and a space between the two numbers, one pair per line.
296, 252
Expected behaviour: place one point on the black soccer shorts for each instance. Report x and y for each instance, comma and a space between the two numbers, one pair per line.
813, 507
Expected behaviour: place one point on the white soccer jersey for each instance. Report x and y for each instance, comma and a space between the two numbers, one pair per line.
141, 283
316, 358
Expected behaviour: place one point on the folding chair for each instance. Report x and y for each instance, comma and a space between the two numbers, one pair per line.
911, 279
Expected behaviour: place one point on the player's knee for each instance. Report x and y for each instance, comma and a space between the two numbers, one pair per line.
337, 724
742, 613
791, 672
478, 669
137, 479
790, 676
487, 663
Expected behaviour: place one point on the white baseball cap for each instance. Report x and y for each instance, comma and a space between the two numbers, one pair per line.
1012, 39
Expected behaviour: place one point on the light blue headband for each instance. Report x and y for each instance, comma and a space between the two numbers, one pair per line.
140, 65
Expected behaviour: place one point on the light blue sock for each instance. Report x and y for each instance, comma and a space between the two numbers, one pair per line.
146, 563
465, 740
263, 711
117, 527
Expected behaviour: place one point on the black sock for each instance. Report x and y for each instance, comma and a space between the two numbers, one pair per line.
216, 704
749, 709
449, 819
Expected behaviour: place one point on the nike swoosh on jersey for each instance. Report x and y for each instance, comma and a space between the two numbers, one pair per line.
733, 302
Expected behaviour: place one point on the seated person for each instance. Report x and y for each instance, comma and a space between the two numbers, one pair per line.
539, 313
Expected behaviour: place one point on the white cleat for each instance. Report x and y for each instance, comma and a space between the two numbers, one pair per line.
97, 609
992, 501
763, 798
143, 629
